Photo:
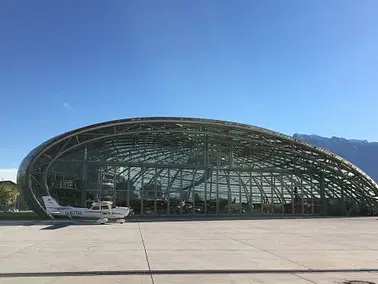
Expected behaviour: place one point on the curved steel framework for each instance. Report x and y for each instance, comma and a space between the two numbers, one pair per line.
177, 166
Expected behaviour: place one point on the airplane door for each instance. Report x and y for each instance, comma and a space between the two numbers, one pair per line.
105, 209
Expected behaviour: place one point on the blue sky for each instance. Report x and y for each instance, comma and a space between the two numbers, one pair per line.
291, 66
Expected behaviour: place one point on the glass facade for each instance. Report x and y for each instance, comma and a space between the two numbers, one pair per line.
192, 167
163, 190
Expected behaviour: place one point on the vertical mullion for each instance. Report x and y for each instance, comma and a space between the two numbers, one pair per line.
342, 202
217, 193
114, 184
99, 183
250, 193
155, 199
85, 187
128, 187
181, 183
262, 193
205, 185
292, 194
282, 197
302, 193
193, 191
169, 192
229, 194
312, 195
272, 180
142, 192
240, 194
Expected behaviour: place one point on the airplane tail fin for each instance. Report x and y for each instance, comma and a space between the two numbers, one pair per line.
50, 204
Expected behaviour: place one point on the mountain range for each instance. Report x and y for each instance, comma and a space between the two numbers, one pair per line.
361, 153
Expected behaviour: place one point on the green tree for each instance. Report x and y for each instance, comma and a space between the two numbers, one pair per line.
8, 195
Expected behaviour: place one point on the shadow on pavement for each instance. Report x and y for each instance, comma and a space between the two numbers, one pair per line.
56, 226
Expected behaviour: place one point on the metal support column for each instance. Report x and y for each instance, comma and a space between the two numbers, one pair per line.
114, 184
217, 185
250, 193
342, 202
312, 195
169, 192
217, 193
205, 185
85, 179
206, 152
193, 191
292, 194
240, 194
272, 181
206, 164
302, 193
262, 193
128, 187
142, 193
211, 185
181, 183
229, 197
155, 187
99, 183
322, 194
282, 197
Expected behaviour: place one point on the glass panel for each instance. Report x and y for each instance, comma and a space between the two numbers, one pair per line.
223, 191
211, 194
199, 199
268, 186
234, 205
100, 183
297, 195
307, 195
37, 185
174, 191
162, 195
149, 190
317, 198
93, 183
187, 192
246, 193
277, 195
122, 185
66, 183
135, 182
256, 193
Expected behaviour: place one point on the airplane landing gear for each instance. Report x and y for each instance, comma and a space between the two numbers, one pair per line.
102, 221
121, 221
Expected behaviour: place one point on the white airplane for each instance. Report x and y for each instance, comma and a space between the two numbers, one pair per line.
101, 211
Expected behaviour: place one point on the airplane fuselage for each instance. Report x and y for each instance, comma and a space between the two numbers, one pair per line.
102, 211
75, 212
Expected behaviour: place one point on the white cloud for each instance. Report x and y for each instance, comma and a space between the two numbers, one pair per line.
8, 174
67, 106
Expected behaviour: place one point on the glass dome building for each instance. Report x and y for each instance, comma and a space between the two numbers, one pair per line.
173, 166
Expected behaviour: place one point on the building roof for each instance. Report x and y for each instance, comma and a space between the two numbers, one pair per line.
7, 182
